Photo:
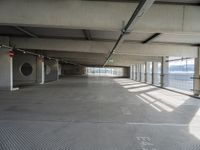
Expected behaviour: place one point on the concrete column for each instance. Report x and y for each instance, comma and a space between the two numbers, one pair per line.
196, 79
138, 72
142, 72
155, 73
131, 72
57, 63
145, 72
40, 70
164, 72
134, 72
6, 66
60, 69
149, 71
152, 73
86, 71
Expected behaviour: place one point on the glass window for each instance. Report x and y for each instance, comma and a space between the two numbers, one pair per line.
181, 71
97, 71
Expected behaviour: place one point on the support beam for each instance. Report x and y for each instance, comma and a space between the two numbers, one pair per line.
155, 73
164, 72
87, 62
131, 72
103, 47
62, 45
149, 72
57, 64
145, 74
156, 35
74, 55
25, 32
142, 72
157, 50
135, 72
127, 60
138, 72
87, 34
152, 73
140, 69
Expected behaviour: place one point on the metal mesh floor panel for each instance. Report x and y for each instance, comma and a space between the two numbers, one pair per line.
98, 114
95, 136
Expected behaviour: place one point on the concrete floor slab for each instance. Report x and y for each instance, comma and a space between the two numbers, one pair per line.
98, 113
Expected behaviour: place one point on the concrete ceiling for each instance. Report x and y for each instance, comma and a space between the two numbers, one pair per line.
60, 33
193, 2
42, 32
180, 1
177, 38
80, 56
159, 1
178, 25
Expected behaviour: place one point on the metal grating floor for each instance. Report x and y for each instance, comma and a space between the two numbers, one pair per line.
85, 136
83, 114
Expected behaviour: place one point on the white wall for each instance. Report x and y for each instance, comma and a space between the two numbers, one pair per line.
5, 72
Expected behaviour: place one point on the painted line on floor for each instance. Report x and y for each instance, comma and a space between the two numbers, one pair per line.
102, 122
164, 124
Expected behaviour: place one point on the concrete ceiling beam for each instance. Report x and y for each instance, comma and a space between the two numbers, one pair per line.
100, 57
62, 45
101, 47
25, 31
105, 15
72, 55
153, 49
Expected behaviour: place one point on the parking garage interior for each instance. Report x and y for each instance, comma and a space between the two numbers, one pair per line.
100, 74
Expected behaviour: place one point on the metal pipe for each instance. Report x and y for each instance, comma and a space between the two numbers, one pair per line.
142, 7
25, 51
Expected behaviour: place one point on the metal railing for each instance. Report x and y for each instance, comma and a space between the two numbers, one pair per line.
183, 81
